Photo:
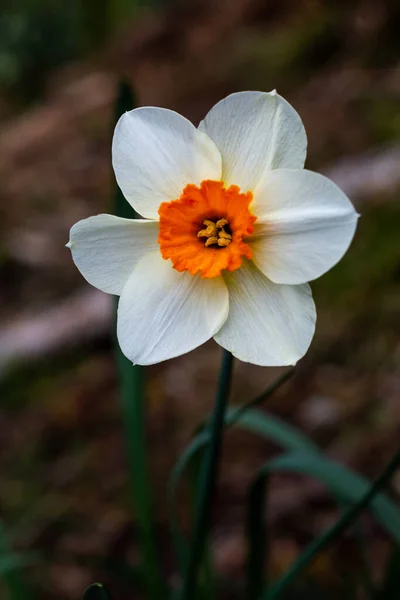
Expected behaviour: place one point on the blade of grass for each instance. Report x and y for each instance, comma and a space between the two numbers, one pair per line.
132, 402
343, 483
208, 475
348, 518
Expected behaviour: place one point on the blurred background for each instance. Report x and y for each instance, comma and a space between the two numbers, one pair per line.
63, 477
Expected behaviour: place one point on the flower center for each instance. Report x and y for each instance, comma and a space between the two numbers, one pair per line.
215, 233
204, 230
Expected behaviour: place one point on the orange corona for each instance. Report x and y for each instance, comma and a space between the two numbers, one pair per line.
204, 230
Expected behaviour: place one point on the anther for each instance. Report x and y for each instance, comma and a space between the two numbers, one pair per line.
220, 224
211, 230
215, 233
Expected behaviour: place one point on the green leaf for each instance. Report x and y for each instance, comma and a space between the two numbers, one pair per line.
369, 497
96, 591
342, 482
349, 487
253, 420
275, 430
250, 419
272, 429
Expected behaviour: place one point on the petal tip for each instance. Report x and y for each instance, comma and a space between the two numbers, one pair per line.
69, 244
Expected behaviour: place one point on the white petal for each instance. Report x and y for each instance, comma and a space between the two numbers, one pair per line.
255, 131
268, 324
305, 225
163, 313
156, 152
106, 248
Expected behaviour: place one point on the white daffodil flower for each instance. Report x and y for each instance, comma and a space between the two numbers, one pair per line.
234, 227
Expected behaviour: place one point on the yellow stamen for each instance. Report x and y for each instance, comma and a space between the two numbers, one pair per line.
220, 224
215, 233
211, 230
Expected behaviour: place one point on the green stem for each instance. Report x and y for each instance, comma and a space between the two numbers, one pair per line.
132, 401
347, 519
276, 384
208, 475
